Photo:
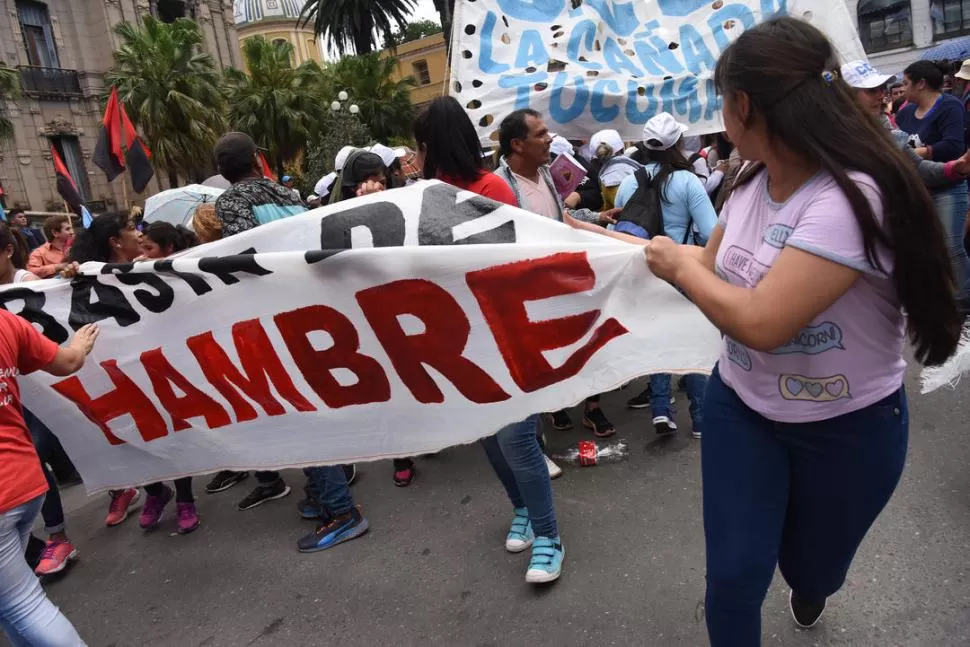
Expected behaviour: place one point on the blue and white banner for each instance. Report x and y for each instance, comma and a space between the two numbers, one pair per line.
593, 64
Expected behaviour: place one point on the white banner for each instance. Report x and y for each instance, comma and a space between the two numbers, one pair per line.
593, 64
274, 348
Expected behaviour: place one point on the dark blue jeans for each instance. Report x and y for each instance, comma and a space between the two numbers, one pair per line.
44, 442
801, 496
518, 462
660, 396
330, 484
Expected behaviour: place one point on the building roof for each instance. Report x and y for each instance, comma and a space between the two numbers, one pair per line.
247, 12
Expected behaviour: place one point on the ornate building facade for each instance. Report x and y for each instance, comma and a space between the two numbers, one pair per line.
277, 20
62, 49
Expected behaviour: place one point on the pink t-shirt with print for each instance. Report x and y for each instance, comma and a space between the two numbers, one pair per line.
851, 355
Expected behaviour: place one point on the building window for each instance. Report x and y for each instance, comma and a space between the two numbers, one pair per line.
885, 24
421, 72
35, 24
171, 10
70, 151
950, 18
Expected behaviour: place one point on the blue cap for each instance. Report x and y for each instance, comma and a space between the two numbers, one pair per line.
287, 178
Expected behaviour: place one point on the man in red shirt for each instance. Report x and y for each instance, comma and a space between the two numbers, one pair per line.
48, 259
26, 615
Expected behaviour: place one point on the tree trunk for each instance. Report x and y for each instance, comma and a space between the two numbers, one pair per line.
173, 178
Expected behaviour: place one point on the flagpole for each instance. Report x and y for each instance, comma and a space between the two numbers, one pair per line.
124, 190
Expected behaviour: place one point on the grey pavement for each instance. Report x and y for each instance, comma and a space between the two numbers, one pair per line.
433, 569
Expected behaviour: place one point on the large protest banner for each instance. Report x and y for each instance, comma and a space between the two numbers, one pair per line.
393, 325
593, 64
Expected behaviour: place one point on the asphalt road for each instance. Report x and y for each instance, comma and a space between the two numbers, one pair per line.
433, 570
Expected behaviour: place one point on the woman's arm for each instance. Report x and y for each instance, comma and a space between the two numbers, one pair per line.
70, 358
596, 229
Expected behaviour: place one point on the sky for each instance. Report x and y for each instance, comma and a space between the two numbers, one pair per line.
425, 11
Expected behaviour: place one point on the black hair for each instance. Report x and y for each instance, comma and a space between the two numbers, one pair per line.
13, 213
236, 167
779, 65
894, 85
897, 104
12, 237
930, 71
94, 243
515, 126
670, 161
723, 146
450, 142
169, 236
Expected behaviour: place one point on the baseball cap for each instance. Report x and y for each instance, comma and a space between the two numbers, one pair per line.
964, 72
386, 153
662, 131
560, 145
286, 178
609, 137
233, 149
862, 76
338, 162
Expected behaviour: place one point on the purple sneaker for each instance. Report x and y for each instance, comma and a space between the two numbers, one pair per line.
151, 513
188, 518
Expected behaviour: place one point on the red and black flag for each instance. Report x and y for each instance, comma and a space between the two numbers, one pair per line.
267, 169
108, 155
65, 184
138, 157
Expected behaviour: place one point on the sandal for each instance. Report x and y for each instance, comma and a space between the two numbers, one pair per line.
596, 420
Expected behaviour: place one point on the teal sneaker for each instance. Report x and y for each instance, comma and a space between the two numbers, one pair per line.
546, 564
520, 534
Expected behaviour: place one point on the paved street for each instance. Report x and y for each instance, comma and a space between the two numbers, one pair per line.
433, 570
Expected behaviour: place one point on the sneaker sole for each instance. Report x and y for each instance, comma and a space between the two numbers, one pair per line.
544, 577
67, 561
518, 549
589, 425
354, 533
282, 494
227, 486
637, 406
791, 609
185, 531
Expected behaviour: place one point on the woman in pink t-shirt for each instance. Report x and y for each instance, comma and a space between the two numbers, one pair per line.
815, 258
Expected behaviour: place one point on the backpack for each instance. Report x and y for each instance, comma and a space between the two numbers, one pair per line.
643, 215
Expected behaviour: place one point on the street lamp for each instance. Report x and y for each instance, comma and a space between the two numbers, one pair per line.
342, 98
342, 95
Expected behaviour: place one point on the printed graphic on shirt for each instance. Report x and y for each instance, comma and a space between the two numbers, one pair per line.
813, 340
737, 353
777, 234
6, 397
741, 263
814, 389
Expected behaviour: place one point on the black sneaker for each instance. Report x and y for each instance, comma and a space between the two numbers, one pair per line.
264, 493
350, 471
664, 426
641, 401
561, 420
225, 480
806, 613
596, 420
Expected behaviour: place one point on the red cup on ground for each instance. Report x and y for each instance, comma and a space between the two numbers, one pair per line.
587, 453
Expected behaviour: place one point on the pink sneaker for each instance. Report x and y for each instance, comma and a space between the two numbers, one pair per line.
121, 504
188, 518
55, 557
151, 514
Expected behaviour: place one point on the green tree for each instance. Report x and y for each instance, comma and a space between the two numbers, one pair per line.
413, 31
9, 89
357, 23
385, 104
173, 93
337, 129
446, 11
276, 104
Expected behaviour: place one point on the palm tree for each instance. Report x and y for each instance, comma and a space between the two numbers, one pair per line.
173, 93
385, 104
361, 23
275, 103
9, 89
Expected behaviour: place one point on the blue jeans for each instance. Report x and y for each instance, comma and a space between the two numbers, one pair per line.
951, 208
28, 618
801, 496
660, 396
518, 462
330, 484
44, 443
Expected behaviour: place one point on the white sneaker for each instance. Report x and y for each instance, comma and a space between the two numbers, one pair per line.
554, 470
664, 425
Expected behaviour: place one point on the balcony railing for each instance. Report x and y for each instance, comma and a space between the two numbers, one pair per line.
49, 81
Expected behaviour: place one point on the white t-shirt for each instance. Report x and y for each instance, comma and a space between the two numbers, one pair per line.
538, 198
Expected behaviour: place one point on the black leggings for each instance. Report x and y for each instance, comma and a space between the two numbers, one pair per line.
183, 490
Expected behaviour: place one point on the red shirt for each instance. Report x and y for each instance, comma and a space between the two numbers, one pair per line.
488, 185
22, 350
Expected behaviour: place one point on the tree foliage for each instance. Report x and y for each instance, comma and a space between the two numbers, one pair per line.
357, 24
337, 129
278, 105
9, 89
385, 104
413, 31
172, 91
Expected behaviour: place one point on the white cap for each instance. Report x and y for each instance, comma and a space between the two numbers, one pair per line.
662, 131
560, 145
338, 162
323, 185
630, 151
386, 154
964, 72
609, 137
861, 75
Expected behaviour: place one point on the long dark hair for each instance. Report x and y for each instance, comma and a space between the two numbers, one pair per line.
670, 161
12, 237
930, 71
451, 146
94, 243
168, 236
781, 66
